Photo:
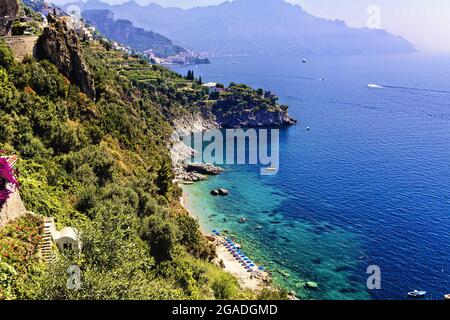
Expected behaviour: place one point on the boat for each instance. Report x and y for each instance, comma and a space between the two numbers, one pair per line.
374, 86
417, 293
308, 129
303, 60
447, 297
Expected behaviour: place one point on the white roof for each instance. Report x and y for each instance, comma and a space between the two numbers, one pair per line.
210, 84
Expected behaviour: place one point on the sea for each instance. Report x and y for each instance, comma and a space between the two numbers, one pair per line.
363, 181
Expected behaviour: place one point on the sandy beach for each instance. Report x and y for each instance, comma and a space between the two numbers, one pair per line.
247, 280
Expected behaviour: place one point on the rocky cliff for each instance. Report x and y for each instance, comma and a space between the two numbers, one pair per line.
252, 118
9, 9
12, 209
59, 44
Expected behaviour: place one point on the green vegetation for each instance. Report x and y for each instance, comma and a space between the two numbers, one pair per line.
103, 168
240, 97
27, 23
19, 263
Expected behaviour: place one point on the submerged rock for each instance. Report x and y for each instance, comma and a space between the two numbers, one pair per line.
285, 274
311, 285
215, 192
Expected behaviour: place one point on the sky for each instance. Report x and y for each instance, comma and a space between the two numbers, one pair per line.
425, 23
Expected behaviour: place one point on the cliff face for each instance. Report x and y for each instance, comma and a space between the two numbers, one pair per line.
9, 9
60, 45
250, 118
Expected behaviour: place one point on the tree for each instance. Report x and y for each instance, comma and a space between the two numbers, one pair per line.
6, 55
161, 235
190, 75
200, 82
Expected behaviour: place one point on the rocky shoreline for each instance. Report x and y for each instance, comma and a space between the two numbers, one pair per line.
189, 173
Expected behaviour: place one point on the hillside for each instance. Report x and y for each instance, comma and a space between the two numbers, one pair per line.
94, 154
124, 32
256, 27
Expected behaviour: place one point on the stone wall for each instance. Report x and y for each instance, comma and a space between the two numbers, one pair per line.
12, 209
22, 45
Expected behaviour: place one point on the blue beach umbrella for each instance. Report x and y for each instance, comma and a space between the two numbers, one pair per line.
262, 268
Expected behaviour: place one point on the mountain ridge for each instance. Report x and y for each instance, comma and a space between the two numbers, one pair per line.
242, 27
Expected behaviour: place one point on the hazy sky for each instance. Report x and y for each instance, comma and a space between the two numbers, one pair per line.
426, 23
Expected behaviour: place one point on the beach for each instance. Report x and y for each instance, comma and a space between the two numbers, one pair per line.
247, 280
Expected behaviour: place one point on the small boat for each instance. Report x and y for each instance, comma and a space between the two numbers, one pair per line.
417, 294
308, 129
303, 60
374, 86
447, 297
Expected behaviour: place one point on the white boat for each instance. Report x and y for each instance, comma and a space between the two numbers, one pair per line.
417, 293
447, 297
303, 60
374, 86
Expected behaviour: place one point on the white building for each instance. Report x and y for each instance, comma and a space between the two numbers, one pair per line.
212, 87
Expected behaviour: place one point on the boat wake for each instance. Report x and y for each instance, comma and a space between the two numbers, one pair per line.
379, 86
374, 86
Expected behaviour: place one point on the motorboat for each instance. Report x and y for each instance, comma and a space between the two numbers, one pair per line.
417, 294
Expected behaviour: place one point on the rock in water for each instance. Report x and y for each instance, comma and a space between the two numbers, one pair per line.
201, 168
9, 9
60, 45
215, 192
223, 192
311, 285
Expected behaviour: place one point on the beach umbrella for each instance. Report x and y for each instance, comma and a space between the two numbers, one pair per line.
251, 265
262, 268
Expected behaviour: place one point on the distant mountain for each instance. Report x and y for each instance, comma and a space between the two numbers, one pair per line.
123, 31
256, 27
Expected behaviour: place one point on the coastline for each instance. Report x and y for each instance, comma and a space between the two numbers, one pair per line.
226, 260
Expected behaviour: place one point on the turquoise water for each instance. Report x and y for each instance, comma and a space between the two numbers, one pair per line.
368, 185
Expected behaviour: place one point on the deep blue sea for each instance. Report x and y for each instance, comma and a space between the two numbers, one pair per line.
369, 184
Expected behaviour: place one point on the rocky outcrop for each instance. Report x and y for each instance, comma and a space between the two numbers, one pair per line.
59, 44
12, 209
205, 169
250, 118
9, 9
